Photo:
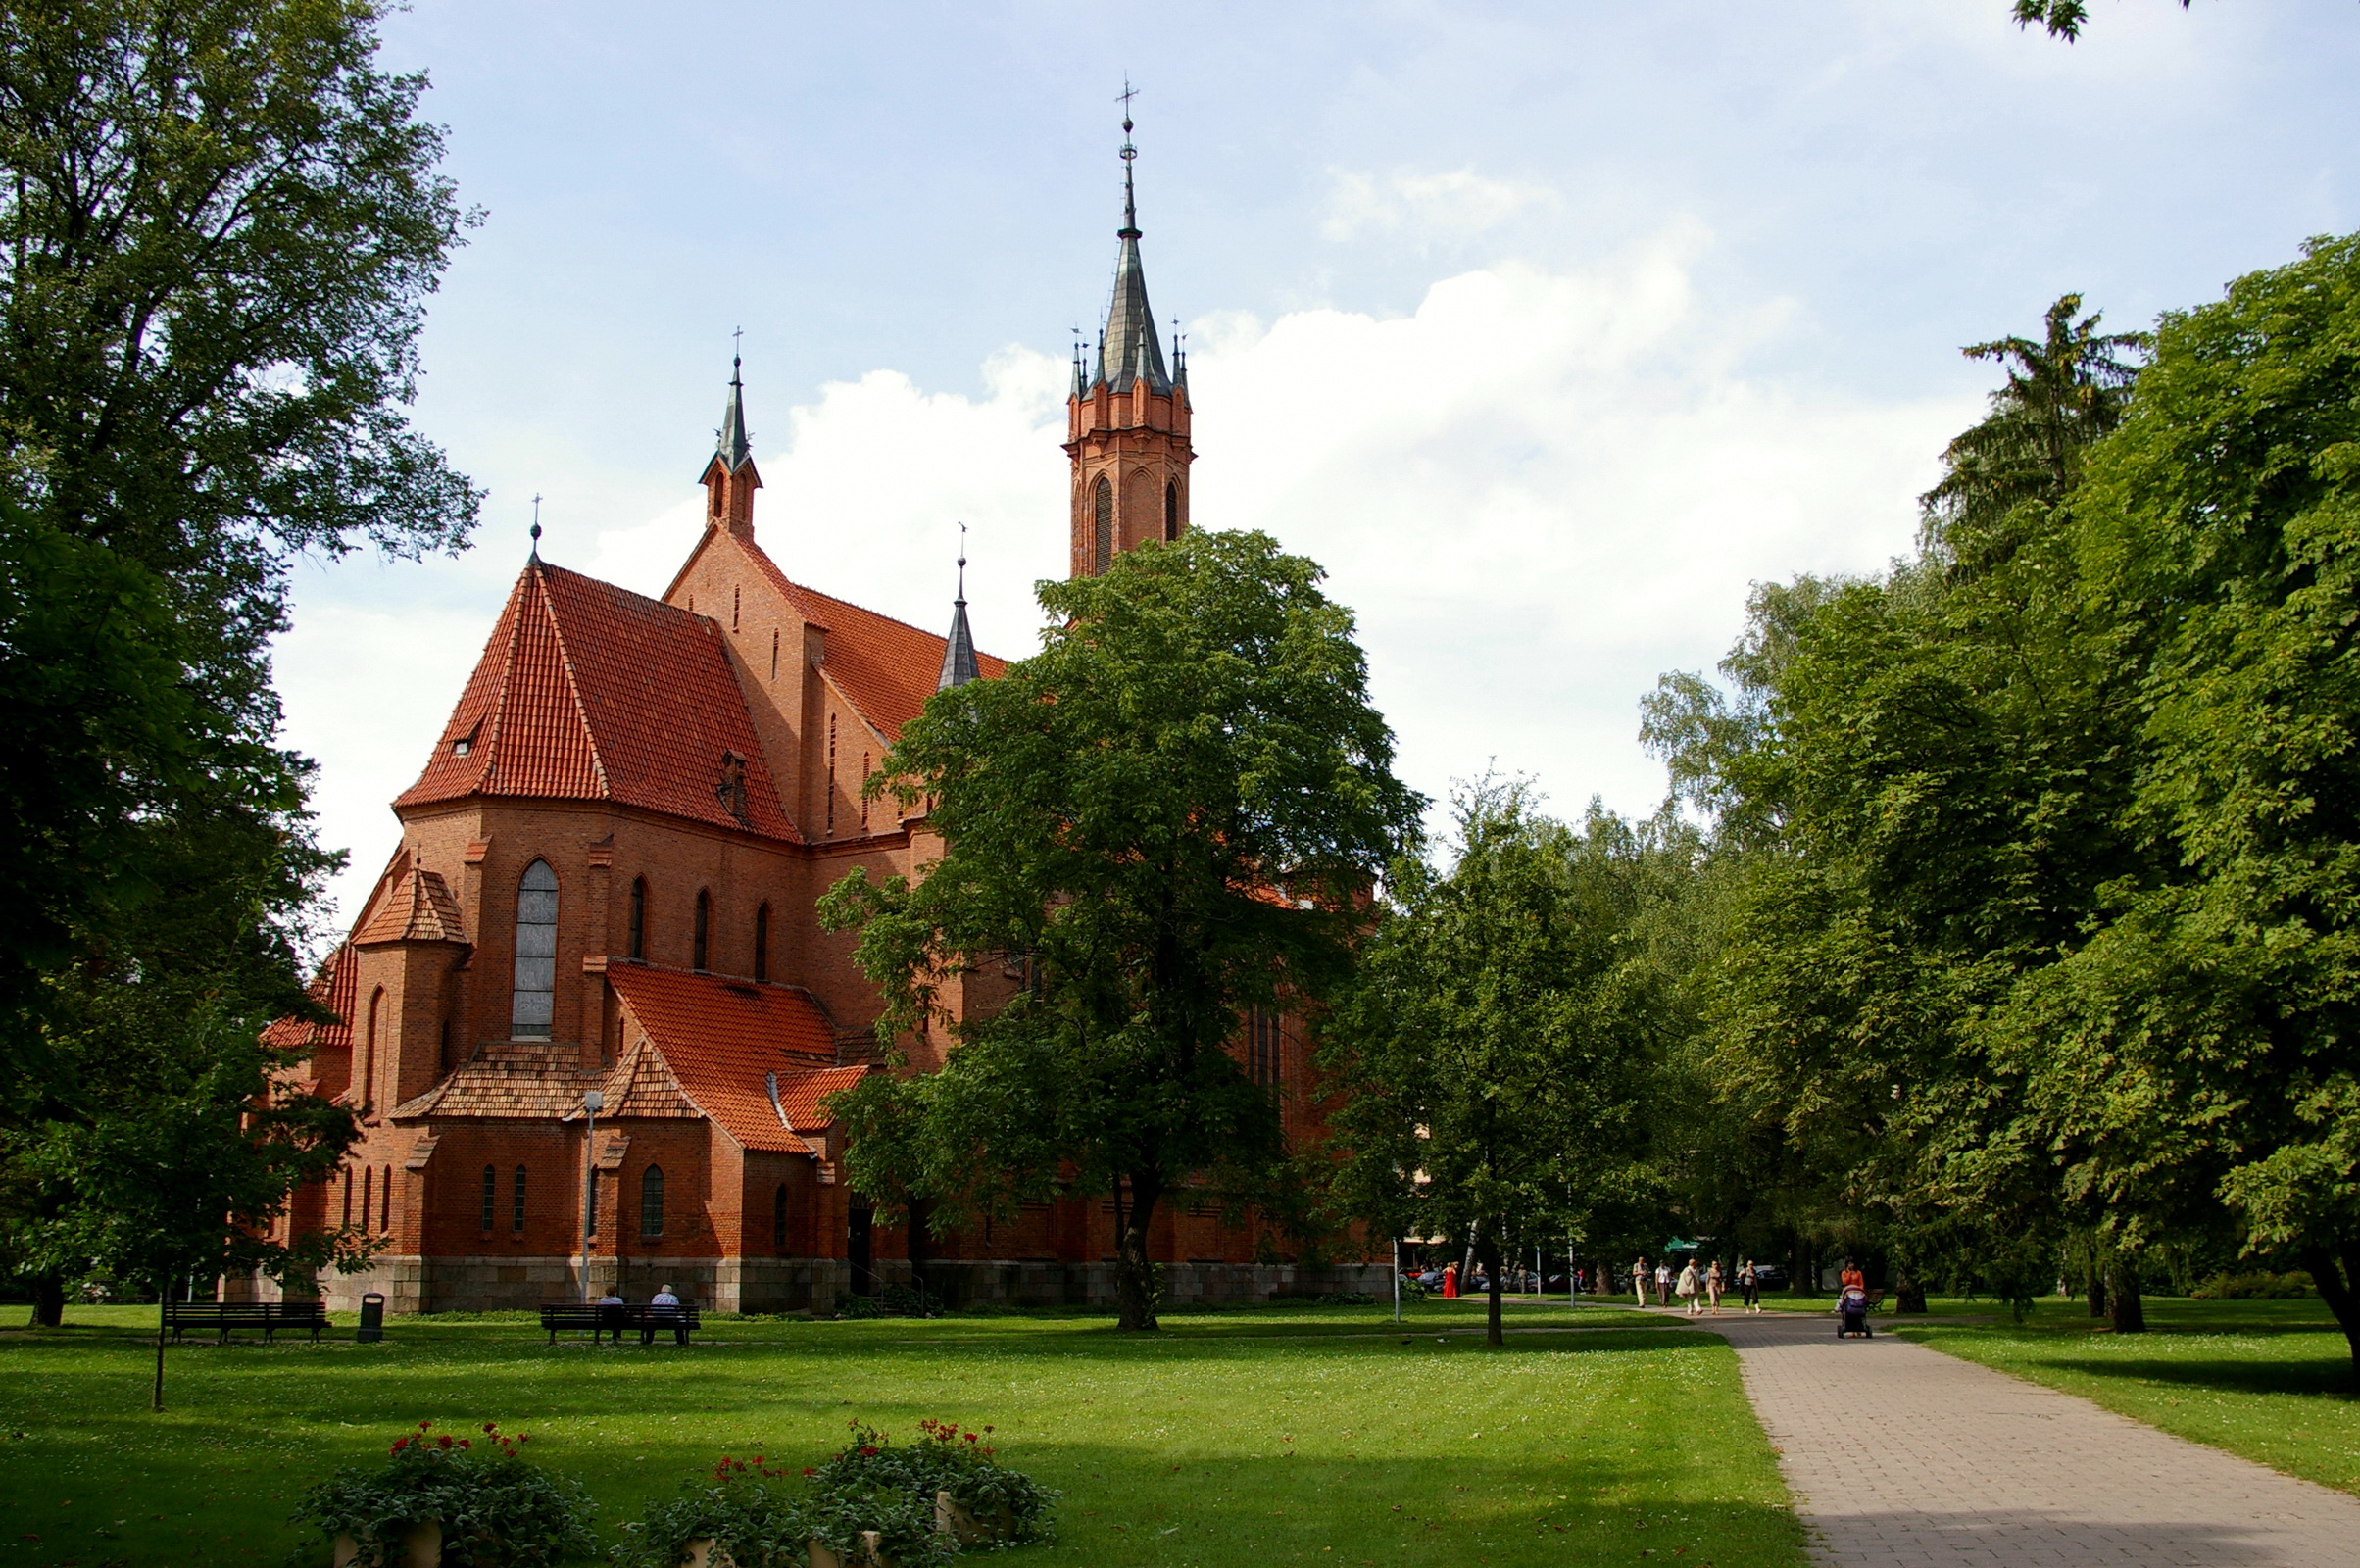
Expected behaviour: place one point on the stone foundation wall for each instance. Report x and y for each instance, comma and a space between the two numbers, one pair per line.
966, 1284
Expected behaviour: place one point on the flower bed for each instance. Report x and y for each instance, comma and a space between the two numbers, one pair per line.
463, 1502
875, 1505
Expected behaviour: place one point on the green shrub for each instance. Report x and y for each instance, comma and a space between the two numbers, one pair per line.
944, 1458
891, 1300
496, 1509
2261, 1286
737, 1507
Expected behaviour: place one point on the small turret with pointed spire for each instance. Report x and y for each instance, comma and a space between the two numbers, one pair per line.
959, 665
1127, 423
730, 478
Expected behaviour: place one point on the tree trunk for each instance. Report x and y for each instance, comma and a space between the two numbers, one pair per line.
2097, 1292
1908, 1296
1133, 1274
1487, 1252
48, 1301
2340, 1288
2128, 1313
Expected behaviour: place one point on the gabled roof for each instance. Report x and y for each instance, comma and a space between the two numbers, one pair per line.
510, 1078
723, 1039
337, 988
587, 691
411, 905
886, 668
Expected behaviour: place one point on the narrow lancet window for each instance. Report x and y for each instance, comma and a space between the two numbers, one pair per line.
533, 1001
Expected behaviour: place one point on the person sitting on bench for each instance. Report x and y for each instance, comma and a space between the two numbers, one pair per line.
610, 1315
662, 1302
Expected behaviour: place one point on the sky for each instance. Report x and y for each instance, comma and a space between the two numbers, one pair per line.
1547, 330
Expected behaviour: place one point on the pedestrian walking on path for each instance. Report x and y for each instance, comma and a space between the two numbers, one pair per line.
1686, 1288
1967, 1466
1712, 1286
1663, 1284
1639, 1280
1749, 1286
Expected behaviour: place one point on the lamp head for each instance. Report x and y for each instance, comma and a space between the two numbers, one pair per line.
593, 1101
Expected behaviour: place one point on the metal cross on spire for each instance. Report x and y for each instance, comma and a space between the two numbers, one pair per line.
536, 527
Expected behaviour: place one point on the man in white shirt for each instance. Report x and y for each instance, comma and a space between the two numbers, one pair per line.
664, 1302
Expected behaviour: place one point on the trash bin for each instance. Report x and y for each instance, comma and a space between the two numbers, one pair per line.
372, 1318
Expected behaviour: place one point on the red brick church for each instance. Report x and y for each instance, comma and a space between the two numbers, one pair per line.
606, 884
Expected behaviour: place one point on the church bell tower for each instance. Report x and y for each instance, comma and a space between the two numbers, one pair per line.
1127, 419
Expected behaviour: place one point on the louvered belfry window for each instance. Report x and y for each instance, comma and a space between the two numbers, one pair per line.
533, 1005
1102, 543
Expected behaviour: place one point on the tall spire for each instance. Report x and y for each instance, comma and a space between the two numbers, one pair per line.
733, 449
1129, 351
958, 648
731, 476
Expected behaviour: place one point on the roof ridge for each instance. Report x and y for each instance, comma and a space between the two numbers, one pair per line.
573, 685
821, 593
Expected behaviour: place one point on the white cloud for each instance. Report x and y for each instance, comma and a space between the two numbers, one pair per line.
1427, 207
1539, 490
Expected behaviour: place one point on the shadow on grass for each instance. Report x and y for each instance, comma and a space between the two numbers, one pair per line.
2323, 1377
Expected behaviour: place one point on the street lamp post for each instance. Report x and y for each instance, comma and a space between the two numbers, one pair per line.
592, 1103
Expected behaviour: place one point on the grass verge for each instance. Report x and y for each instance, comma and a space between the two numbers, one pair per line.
1269, 1435
2270, 1381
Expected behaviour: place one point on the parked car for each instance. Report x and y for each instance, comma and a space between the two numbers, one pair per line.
1771, 1276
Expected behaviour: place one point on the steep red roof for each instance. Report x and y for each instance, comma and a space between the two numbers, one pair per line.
587, 691
722, 1037
887, 667
415, 905
336, 986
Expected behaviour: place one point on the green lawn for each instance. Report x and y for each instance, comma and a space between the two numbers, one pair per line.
2269, 1380
1263, 1436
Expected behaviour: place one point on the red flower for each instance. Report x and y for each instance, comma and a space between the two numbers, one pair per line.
809, 1471
443, 1442
868, 1451
465, 1444
491, 1426
974, 1437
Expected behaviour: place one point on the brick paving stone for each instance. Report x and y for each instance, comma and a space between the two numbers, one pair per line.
1899, 1454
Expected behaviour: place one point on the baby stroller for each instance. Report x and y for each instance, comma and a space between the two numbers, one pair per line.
1852, 1311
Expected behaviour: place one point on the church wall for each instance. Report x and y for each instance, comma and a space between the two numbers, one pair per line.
770, 649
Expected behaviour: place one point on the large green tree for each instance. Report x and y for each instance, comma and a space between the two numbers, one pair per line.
2199, 1047
1503, 1051
1173, 812
219, 226
1922, 779
220, 223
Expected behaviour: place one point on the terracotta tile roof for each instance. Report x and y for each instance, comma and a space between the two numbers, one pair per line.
411, 905
538, 1078
337, 988
722, 1037
802, 1095
887, 669
642, 1085
589, 692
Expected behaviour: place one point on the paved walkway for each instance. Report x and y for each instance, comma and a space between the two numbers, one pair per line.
1898, 1454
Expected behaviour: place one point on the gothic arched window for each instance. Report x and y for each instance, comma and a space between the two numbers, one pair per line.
704, 931
1102, 539
1172, 513
366, 1090
762, 943
516, 1219
491, 1194
639, 917
651, 1201
532, 1005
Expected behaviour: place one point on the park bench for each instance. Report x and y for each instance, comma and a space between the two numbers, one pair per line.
573, 1316
222, 1317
